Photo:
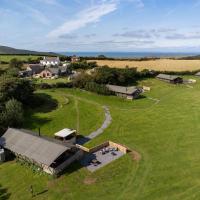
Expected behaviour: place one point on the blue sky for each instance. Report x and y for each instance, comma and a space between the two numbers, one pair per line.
101, 25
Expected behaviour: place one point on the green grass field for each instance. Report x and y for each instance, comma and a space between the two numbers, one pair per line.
165, 130
52, 81
7, 58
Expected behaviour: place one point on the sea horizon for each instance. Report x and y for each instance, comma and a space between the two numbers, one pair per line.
113, 54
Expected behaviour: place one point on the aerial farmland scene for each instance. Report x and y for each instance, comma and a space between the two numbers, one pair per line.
99, 100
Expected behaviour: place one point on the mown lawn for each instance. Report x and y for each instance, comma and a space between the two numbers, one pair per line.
166, 133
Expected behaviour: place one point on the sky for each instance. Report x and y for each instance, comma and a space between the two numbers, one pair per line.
101, 25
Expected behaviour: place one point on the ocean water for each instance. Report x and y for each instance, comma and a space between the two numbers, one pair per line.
129, 54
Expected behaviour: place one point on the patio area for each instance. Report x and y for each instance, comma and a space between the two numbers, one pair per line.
100, 158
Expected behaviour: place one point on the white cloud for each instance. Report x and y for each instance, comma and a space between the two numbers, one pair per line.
39, 16
85, 17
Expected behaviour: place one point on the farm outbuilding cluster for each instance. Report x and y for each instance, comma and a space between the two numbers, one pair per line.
51, 155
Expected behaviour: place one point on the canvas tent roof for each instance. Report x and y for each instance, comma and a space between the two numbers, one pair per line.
197, 74
167, 77
28, 144
121, 89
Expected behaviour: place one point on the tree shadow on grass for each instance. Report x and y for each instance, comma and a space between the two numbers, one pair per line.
43, 103
34, 122
4, 195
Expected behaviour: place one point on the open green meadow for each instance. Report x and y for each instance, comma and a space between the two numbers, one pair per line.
7, 58
52, 81
164, 127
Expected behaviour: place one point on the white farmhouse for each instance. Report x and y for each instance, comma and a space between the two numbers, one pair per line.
47, 61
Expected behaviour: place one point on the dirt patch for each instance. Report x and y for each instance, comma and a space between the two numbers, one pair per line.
136, 156
89, 181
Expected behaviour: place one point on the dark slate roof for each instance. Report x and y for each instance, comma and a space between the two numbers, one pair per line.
53, 70
122, 90
32, 146
167, 77
63, 69
36, 68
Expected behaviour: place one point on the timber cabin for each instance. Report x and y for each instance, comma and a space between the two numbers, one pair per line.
125, 92
48, 154
170, 78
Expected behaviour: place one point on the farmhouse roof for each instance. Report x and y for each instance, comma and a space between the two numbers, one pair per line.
63, 69
36, 68
167, 77
121, 89
53, 70
28, 144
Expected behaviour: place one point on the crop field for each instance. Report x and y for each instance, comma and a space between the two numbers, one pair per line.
158, 65
163, 127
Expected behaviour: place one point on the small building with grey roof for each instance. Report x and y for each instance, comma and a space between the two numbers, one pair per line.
170, 78
125, 92
50, 155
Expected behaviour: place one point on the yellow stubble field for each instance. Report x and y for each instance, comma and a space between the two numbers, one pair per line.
158, 65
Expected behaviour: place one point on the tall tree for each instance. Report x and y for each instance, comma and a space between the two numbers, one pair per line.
13, 114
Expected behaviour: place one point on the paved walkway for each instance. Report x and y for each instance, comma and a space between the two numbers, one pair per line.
96, 133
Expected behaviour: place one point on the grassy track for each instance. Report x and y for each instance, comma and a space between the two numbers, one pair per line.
166, 134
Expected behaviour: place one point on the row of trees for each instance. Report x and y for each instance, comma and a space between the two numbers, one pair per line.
114, 76
83, 65
15, 93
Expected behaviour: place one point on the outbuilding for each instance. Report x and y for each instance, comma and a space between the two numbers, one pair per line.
170, 78
125, 92
66, 135
50, 155
197, 74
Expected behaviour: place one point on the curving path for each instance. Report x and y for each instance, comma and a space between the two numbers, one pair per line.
105, 124
96, 133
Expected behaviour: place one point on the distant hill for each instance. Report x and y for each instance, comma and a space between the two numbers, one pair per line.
4, 50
